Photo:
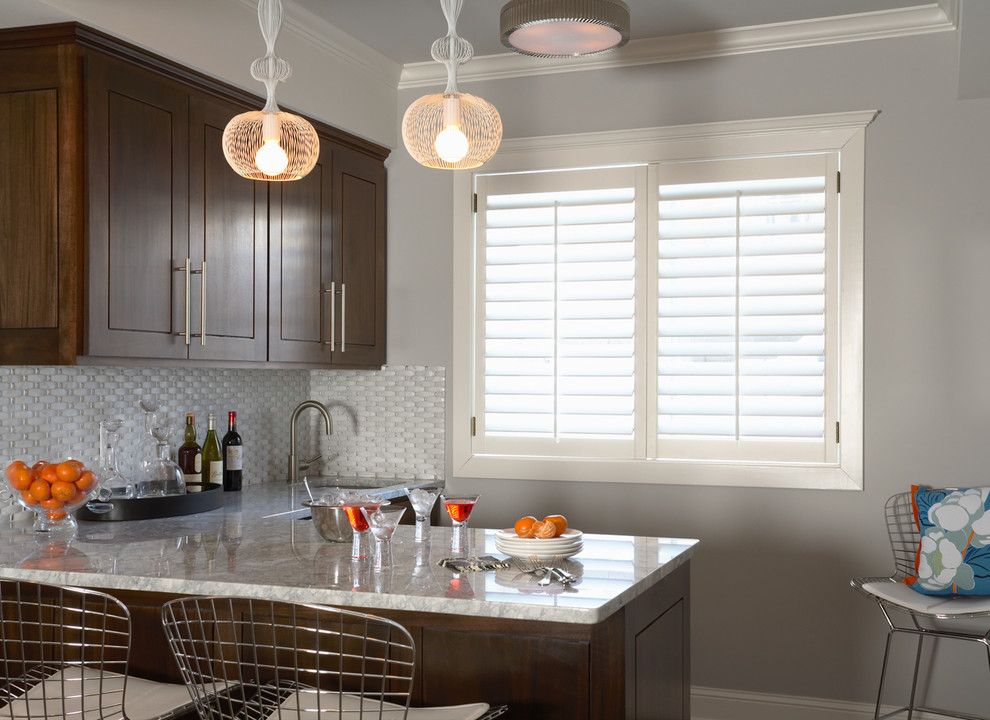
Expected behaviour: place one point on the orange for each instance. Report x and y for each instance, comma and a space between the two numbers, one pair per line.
524, 526
52, 504
86, 480
57, 515
77, 498
28, 498
49, 474
20, 478
67, 472
40, 490
14, 468
37, 467
559, 521
544, 530
63, 491
77, 463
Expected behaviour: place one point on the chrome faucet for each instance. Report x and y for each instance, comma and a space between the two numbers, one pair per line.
322, 409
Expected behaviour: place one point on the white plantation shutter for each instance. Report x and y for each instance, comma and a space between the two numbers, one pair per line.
745, 310
556, 311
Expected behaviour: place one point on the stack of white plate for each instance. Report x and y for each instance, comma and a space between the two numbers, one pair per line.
569, 543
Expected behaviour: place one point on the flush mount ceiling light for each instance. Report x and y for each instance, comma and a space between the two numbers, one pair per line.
451, 130
270, 144
564, 28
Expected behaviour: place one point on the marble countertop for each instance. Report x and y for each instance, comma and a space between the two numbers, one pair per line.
255, 546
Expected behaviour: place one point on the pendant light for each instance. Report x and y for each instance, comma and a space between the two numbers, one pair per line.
451, 130
270, 144
564, 28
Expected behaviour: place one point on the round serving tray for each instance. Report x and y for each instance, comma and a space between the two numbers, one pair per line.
209, 498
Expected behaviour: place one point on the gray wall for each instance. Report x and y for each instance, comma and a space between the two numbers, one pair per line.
773, 611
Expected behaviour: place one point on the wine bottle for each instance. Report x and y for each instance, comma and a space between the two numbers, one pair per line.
232, 456
191, 456
212, 459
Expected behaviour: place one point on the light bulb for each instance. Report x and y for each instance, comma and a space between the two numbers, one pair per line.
271, 158
451, 144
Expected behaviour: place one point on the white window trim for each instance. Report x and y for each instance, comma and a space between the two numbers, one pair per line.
843, 133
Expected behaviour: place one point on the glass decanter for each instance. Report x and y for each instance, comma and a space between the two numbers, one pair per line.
120, 487
150, 407
162, 476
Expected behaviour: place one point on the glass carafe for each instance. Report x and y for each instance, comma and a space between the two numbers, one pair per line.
161, 476
120, 486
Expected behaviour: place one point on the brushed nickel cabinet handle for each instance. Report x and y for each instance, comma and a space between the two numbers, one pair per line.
187, 270
202, 304
343, 317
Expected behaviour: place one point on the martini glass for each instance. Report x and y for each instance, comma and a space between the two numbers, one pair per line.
459, 508
422, 501
359, 523
383, 521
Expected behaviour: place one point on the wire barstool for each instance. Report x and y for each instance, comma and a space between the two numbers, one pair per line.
64, 653
964, 619
249, 659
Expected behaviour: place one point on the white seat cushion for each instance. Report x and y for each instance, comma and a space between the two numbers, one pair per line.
146, 700
903, 596
333, 706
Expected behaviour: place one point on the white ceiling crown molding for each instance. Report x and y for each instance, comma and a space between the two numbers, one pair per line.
332, 40
938, 16
821, 123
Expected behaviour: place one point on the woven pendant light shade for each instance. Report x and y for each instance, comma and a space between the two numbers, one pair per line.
479, 122
244, 137
451, 130
270, 144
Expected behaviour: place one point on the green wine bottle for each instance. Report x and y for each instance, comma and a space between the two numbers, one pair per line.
212, 459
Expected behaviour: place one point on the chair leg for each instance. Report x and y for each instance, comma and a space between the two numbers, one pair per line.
914, 680
883, 674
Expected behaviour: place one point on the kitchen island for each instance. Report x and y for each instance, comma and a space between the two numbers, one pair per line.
613, 645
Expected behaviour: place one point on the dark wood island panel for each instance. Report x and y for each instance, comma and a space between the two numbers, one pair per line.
634, 665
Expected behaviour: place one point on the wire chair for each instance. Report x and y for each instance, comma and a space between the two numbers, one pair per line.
943, 618
64, 653
246, 659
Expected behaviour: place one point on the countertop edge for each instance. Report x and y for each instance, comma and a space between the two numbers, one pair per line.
347, 598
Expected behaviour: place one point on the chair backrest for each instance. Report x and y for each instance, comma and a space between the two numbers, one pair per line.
63, 653
246, 658
903, 533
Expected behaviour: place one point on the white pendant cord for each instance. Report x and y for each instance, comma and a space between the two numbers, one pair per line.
451, 50
270, 69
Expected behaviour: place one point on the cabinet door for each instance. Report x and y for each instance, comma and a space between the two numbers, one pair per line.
40, 213
137, 166
300, 261
359, 259
228, 231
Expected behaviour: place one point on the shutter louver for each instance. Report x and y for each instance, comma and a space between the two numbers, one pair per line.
741, 310
558, 310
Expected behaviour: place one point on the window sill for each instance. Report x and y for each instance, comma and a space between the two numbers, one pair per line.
663, 472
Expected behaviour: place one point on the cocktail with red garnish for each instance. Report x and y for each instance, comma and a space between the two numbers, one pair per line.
359, 523
459, 508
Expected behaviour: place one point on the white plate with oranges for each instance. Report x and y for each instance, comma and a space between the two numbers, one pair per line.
542, 539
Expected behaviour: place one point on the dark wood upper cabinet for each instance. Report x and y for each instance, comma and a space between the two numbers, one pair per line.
228, 230
137, 168
113, 180
40, 206
301, 265
359, 259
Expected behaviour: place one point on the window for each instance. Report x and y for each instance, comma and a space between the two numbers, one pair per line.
693, 314
556, 312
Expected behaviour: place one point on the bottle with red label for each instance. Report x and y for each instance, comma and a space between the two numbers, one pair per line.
233, 456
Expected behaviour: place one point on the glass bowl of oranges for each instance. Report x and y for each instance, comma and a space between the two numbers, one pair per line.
53, 491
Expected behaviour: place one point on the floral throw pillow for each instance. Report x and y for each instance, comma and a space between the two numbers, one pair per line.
954, 554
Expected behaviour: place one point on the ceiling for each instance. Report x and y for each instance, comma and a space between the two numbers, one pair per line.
404, 29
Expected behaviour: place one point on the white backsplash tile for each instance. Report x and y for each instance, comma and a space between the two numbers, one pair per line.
387, 423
